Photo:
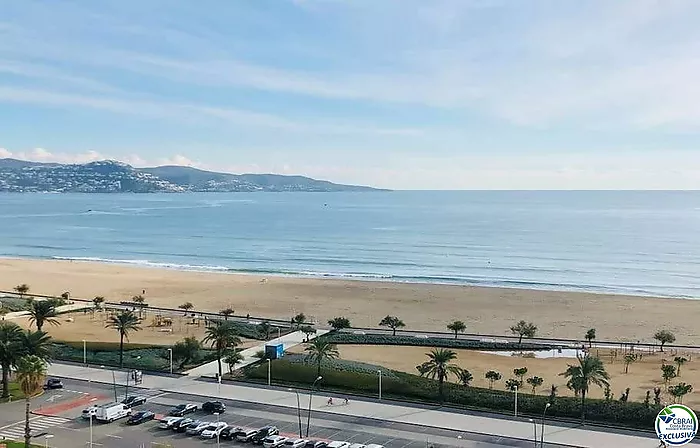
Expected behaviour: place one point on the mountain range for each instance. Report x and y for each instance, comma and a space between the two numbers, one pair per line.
109, 176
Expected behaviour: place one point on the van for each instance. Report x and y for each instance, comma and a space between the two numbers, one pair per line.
110, 412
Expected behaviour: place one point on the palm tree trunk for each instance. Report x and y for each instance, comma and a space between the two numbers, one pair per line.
583, 407
5, 381
394, 332
218, 360
318, 368
455, 334
121, 349
27, 433
441, 380
520, 339
39, 324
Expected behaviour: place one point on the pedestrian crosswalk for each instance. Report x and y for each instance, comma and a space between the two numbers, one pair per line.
38, 426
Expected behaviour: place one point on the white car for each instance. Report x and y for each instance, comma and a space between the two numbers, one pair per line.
274, 441
168, 422
295, 443
214, 430
374, 445
90, 412
338, 444
195, 429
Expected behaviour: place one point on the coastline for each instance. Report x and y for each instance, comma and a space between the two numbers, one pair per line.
422, 306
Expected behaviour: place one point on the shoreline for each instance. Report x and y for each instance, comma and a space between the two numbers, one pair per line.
423, 307
362, 277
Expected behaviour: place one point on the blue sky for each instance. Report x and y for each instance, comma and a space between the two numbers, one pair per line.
440, 94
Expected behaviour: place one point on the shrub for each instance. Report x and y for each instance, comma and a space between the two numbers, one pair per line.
386, 339
341, 365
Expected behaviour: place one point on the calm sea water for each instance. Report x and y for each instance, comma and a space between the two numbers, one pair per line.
625, 242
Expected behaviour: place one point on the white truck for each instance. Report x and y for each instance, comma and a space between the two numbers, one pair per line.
108, 413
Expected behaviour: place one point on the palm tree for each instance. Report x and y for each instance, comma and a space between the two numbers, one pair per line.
187, 306
679, 360
320, 350
31, 371
140, 301
465, 377
679, 390
492, 376
522, 328
392, 322
590, 335
439, 366
227, 312
457, 326
186, 350
299, 320
339, 323
308, 330
37, 343
535, 382
590, 370
232, 358
264, 329
98, 301
42, 312
664, 337
629, 359
22, 289
10, 350
221, 337
124, 323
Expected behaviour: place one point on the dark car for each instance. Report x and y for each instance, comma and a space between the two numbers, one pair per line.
181, 426
133, 400
183, 409
229, 433
212, 407
140, 417
316, 444
265, 431
53, 383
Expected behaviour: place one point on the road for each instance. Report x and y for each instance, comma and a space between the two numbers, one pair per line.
60, 418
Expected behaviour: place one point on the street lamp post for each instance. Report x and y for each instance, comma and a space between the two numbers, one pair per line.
298, 409
311, 394
91, 417
534, 429
380, 383
544, 413
516, 400
47, 436
218, 387
170, 352
84, 353
218, 440
269, 371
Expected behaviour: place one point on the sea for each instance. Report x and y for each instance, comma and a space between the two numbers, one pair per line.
628, 242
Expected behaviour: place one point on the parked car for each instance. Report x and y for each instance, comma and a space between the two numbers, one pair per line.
90, 412
246, 435
168, 422
374, 445
134, 400
140, 417
53, 383
213, 430
263, 433
338, 444
196, 428
183, 409
273, 441
110, 412
358, 445
229, 433
214, 407
295, 443
181, 426
316, 444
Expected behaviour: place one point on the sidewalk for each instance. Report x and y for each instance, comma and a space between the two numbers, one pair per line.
391, 412
289, 340
59, 310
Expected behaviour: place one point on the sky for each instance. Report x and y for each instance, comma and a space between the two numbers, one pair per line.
403, 94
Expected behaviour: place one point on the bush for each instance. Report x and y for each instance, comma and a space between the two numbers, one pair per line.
415, 388
387, 339
341, 365
12, 304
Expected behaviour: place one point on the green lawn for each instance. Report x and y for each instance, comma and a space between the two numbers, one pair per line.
15, 392
11, 444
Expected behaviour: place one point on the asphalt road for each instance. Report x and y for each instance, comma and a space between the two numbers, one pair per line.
62, 422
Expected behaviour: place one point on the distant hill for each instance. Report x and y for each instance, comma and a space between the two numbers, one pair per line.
114, 177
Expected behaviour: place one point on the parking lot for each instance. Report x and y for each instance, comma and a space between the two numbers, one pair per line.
62, 409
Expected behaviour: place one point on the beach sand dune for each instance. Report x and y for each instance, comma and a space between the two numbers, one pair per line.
421, 306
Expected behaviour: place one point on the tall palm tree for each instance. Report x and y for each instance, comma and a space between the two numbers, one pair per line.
31, 371
124, 323
439, 366
590, 370
10, 350
319, 350
233, 357
37, 343
43, 312
227, 312
222, 337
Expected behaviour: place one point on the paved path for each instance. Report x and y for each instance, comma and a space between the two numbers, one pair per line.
434, 417
289, 340
61, 309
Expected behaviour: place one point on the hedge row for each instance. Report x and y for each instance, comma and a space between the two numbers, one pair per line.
341, 365
136, 356
409, 387
387, 339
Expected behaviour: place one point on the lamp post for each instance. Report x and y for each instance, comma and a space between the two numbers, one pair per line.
91, 417
218, 442
380, 383
298, 409
516, 400
170, 352
534, 429
84, 354
218, 386
46, 443
269, 371
544, 413
311, 394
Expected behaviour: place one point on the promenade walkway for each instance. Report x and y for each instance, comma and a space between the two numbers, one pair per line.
61, 309
385, 410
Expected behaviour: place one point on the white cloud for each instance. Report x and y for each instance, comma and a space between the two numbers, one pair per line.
42, 155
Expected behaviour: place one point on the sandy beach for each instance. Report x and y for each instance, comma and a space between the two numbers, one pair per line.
421, 306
